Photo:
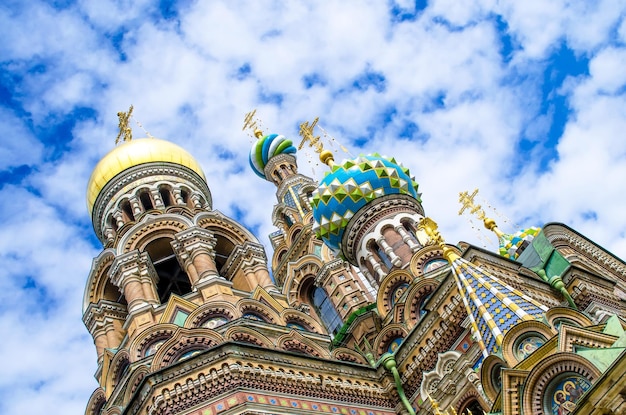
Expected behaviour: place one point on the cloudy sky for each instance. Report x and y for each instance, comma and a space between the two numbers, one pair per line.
525, 100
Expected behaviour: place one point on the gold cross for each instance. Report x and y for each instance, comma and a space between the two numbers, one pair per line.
251, 123
306, 132
125, 131
467, 202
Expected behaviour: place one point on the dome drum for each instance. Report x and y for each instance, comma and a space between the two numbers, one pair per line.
364, 223
146, 187
280, 167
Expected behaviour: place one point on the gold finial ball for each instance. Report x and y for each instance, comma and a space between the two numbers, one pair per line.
258, 133
490, 223
326, 156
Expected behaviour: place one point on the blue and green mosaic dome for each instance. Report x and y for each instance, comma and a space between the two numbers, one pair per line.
511, 246
267, 147
351, 185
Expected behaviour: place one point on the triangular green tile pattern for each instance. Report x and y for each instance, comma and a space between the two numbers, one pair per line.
351, 185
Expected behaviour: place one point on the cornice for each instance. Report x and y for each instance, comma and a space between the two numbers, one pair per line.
217, 372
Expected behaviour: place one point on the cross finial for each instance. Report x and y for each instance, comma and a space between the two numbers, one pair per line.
467, 202
250, 122
125, 131
306, 132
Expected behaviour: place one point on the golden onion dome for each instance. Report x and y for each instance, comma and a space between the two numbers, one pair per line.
132, 153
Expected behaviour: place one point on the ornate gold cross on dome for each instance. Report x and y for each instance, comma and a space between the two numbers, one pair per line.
467, 202
125, 131
306, 132
250, 122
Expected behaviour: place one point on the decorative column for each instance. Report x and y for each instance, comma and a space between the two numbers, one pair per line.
109, 234
119, 219
370, 279
105, 321
178, 196
158, 202
135, 276
406, 238
248, 261
376, 265
195, 199
134, 203
395, 259
194, 248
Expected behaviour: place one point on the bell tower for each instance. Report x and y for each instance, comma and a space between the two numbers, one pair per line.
166, 251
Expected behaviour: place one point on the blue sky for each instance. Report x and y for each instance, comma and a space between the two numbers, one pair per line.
524, 100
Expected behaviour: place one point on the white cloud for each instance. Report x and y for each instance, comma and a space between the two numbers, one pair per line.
19, 146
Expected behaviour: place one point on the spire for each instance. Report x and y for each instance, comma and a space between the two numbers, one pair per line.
530, 241
493, 306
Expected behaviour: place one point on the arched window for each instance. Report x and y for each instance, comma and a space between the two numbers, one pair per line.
563, 393
378, 252
325, 309
410, 230
127, 212
172, 278
214, 321
153, 347
223, 248
189, 353
253, 316
287, 220
186, 196
397, 292
166, 196
472, 406
146, 201
112, 223
422, 304
296, 325
113, 294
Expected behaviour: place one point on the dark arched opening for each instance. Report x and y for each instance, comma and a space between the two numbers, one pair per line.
127, 212
471, 406
172, 278
166, 196
146, 201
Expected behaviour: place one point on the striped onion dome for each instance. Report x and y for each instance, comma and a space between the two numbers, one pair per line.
267, 147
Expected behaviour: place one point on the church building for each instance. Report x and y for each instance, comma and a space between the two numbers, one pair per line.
363, 307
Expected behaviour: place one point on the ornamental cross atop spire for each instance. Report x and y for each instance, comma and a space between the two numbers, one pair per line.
125, 132
306, 132
251, 123
467, 202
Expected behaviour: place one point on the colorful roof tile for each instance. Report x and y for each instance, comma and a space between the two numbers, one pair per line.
351, 185
493, 306
511, 246
266, 148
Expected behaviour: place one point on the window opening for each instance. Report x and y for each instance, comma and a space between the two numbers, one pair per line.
146, 201
325, 309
